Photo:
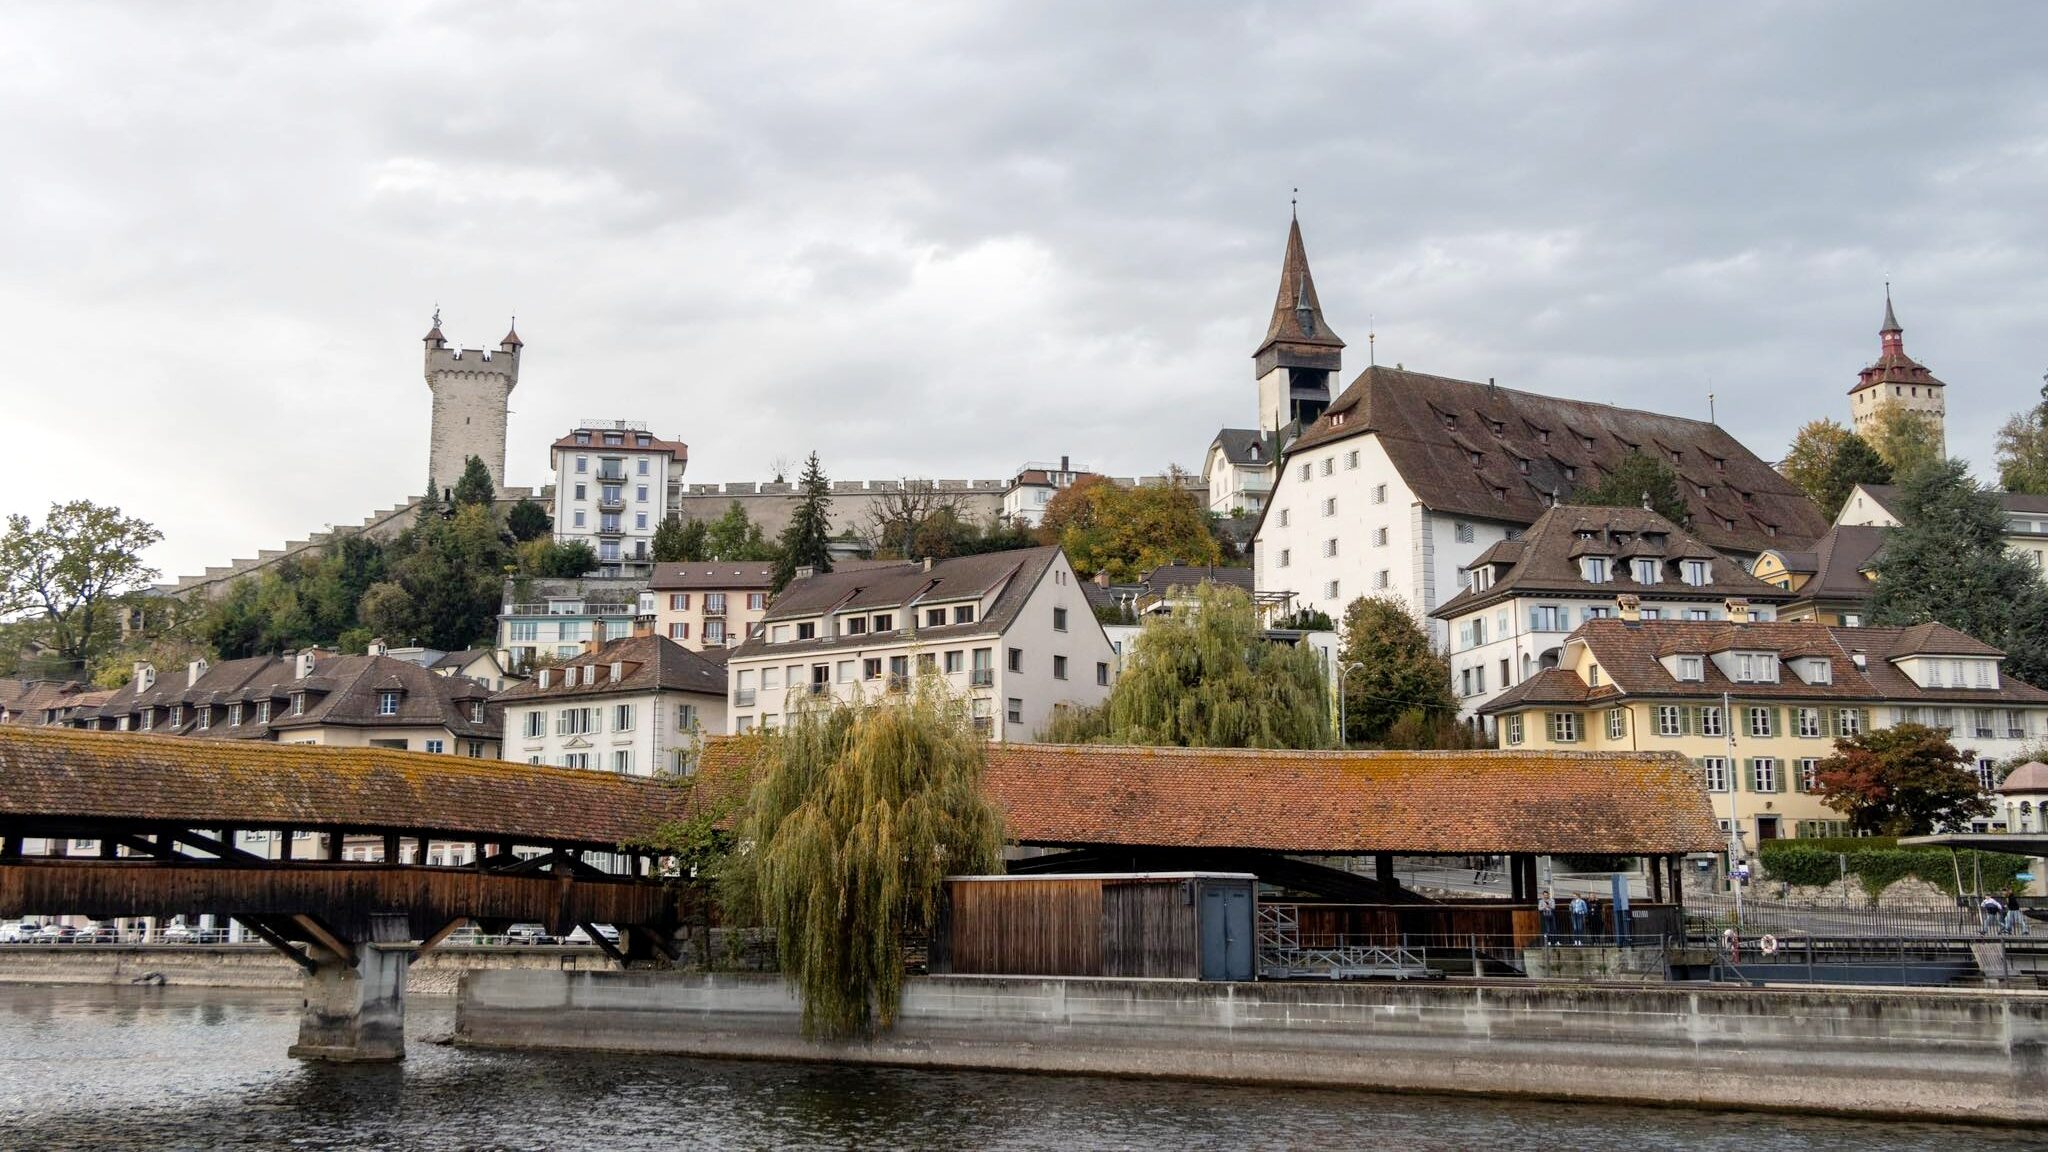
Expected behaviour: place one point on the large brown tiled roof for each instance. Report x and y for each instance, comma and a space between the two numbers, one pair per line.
1839, 562
1629, 655
1433, 426
711, 576
1545, 561
904, 587
654, 443
59, 773
1333, 802
647, 663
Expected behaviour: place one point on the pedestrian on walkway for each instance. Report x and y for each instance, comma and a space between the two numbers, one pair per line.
1990, 916
2015, 920
1578, 921
1546, 905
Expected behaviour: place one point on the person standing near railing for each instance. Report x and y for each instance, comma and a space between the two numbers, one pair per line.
1546, 906
2015, 920
1578, 921
1990, 914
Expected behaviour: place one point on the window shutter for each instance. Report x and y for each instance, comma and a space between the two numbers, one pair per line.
1748, 774
1778, 722
1827, 723
1863, 719
1798, 774
1687, 720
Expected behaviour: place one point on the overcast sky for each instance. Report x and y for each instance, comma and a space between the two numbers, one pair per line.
942, 240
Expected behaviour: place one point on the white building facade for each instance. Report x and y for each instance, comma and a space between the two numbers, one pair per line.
636, 707
614, 484
1010, 632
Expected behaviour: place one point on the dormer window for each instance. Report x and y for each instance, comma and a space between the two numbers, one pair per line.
856, 625
582, 438
1336, 421
1543, 436
263, 711
1698, 572
1450, 420
1646, 571
234, 715
1586, 442
177, 715
1571, 473
1756, 667
387, 703
299, 704
1816, 671
884, 622
1594, 569
476, 712
1693, 668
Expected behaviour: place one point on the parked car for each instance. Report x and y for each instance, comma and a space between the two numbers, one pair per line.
579, 936
527, 934
102, 934
176, 932
54, 933
18, 932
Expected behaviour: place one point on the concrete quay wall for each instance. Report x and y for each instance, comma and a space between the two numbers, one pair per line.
258, 965
1967, 1056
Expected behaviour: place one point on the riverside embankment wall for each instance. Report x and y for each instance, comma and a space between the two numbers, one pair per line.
256, 965
1976, 1056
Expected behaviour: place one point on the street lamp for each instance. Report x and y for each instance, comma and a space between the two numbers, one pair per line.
1343, 670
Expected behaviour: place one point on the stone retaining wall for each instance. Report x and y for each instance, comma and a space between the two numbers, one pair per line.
1974, 1056
257, 965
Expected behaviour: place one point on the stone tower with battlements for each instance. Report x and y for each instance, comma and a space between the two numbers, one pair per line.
472, 391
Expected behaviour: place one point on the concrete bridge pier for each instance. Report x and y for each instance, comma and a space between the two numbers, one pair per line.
354, 1008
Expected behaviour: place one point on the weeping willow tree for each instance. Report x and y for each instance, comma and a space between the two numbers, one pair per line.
1202, 676
860, 811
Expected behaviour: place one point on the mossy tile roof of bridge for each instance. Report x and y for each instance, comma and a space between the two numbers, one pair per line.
1338, 803
51, 774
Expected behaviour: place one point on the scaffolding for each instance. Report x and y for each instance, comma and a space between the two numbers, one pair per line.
1285, 955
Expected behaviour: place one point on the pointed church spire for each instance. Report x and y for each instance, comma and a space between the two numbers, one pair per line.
1893, 336
1297, 313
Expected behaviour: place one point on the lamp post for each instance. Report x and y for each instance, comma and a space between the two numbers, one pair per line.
1343, 670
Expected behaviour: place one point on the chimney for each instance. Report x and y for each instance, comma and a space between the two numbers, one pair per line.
1630, 606
590, 647
1861, 661
643, 625
927, 563
1063, 466
804, 572
145, 676
1102, 579
544, 676
194, 671
1738, 610
376, 647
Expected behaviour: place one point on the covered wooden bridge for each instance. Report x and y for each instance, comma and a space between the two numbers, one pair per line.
167, 816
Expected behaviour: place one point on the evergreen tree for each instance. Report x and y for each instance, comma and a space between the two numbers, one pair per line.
2023, 450
476, 486
445, 584
858, 814
1202, 676
1400, 672
805, 540
1856, 462
1947, 561
1634, 478
529, 521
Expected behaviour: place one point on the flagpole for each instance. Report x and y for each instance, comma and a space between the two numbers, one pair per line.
1734, 811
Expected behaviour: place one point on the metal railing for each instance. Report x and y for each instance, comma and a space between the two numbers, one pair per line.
981, 677
743, 697
581, 610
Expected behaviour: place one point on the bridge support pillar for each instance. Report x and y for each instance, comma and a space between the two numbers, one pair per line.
354, 1008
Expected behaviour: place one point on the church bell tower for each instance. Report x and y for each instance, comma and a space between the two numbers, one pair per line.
1300, 355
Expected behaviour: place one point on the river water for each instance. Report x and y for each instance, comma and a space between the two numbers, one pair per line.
105, 1068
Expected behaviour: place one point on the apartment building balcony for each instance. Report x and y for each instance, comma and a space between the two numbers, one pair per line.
743, 698
713, 610
981, 678
899, 682
604, 477
611, 503
611, 529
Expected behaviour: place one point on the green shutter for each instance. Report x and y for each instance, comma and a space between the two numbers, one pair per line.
1685, 720
1748, 781
1827, 723
1798, 777
1863, 719
1778, 723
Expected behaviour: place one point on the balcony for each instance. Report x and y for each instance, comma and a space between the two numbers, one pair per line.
713, 608
743, 698
981, 678
604, 477
984, 723
611, 528
611, 503
899, 681
819, 689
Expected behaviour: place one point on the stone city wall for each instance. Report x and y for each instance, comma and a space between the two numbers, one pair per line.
1953, 1055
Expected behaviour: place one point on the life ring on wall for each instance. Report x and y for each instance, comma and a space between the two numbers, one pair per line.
1768, 945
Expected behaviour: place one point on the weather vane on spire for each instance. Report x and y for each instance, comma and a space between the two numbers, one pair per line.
437, 314
1294, 204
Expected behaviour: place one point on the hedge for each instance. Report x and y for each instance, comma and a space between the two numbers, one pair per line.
1879, 864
